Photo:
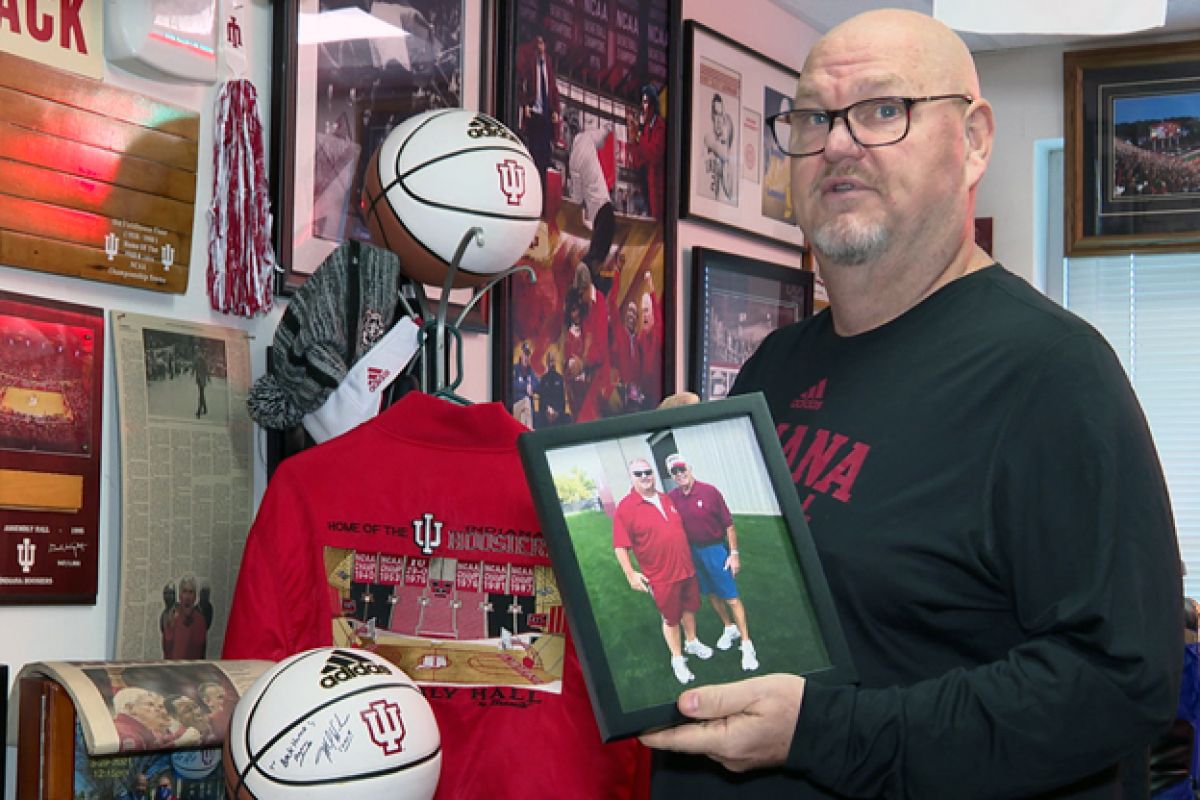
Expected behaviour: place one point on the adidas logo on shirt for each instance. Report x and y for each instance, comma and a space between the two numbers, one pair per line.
376, 376
812, 399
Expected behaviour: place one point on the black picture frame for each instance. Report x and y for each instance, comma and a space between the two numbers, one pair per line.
333, 102
578, 476
736, 302
600, 64
1132, 114
734, 174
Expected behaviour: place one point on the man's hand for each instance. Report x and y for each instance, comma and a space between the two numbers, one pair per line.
744, 725
733, 563
638, 582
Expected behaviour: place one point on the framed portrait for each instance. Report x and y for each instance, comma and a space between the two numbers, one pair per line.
630, 506
1132, 128
733, 172
344, 78
587, 335
736, 302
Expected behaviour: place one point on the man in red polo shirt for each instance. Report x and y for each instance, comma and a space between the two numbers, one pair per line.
648, 523
710, 532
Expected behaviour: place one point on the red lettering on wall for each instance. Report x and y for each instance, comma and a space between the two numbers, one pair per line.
41, 30
41, 25
70, 26
8, 11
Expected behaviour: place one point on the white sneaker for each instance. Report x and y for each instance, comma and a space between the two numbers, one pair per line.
682, 673
730, 635
749, 657
698, 649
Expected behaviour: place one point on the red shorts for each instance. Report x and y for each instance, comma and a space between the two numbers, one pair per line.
675, 598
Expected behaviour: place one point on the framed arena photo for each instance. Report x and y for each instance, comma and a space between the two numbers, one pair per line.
736, 302
1132, 128
680, 548
51, 401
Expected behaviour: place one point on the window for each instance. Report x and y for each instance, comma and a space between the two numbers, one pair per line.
1148, 307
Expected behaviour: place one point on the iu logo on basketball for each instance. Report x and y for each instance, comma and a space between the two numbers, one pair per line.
512, 180
383, 722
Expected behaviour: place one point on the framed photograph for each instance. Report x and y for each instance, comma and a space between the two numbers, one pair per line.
1132, 129
344, 78
646, 514
588, 334
736, 302
51, 401
733, 172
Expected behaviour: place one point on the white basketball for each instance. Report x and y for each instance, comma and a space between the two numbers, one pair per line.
329, 723
439, 174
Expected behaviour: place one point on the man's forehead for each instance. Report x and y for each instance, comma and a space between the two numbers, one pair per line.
854, 84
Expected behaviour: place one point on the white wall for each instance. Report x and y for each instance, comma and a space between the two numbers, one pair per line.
46, 633
1025, 88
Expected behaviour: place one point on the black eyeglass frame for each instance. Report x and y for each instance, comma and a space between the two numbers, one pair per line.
641, 473
844, 115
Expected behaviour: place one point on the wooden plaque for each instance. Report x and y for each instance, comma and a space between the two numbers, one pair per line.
95, 181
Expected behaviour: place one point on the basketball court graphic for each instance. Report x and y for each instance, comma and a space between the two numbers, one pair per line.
45, 377
451, 621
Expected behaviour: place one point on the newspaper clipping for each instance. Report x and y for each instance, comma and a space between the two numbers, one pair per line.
147, 706
186, 487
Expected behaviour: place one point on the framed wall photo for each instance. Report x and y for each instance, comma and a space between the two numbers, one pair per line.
51, 402
344, 78
736, 302
585, 86
624, 567
1132, 131
733, 172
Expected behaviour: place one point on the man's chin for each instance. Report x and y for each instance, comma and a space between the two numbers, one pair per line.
848, 243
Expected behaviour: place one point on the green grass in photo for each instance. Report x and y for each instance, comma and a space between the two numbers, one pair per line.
779, 613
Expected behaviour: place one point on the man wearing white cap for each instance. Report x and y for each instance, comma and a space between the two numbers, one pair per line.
709, 527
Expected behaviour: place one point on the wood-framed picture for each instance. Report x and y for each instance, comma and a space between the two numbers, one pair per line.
588, 335
734, 174
650, 486
344, 78
736, 302
1132, 124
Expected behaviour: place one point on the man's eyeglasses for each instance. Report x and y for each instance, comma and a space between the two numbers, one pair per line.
678, 470
874, 122
642, 473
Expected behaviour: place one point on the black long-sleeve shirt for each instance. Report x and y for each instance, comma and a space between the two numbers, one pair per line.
993, 521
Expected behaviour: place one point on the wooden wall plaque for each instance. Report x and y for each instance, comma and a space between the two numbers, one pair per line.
96, 181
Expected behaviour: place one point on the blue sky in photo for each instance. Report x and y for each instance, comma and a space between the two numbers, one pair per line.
1156, 106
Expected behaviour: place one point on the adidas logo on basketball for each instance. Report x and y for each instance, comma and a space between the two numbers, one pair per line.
813, 399
342, 666
376, 376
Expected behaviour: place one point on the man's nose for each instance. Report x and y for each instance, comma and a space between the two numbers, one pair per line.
840, 143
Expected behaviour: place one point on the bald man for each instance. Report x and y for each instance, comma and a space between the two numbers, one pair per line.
980, 481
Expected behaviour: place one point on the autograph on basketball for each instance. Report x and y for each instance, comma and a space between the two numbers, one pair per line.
336, 738
297, 749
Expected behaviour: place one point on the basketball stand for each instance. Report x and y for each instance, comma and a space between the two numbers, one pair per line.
434, 370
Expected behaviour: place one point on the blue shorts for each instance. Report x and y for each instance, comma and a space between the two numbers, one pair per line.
710, 569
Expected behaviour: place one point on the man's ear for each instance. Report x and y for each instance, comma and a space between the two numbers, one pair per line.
980, 124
